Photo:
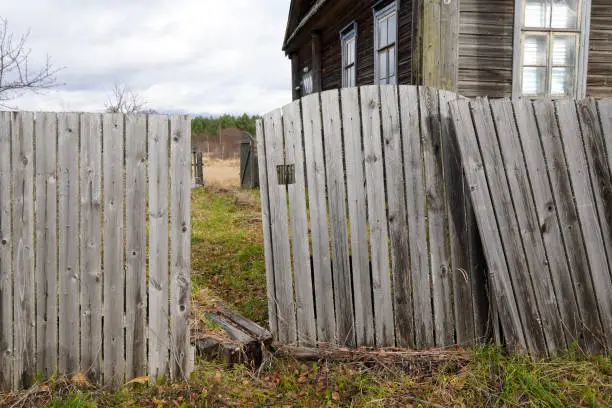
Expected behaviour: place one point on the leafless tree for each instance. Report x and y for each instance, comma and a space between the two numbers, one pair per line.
125, 100
16, 75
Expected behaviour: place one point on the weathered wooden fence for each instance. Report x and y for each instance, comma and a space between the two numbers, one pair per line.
249, 177
370, 238
88, 282
539, 175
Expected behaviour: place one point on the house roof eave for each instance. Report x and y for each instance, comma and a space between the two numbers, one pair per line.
290, 35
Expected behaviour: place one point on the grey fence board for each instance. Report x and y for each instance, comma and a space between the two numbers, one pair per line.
356, 194
317, 201
22, 129
6, 265
91, 246
46, 243
292, 124
73, 272
334, 166
376, 205
548, 189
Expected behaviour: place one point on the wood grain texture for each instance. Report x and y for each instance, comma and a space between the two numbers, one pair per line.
113, 260
91, 246
294, 154
398, 227
135, 271
377, 217
415, 209
356, 194
159, 184
336, 190
180, 248
266, 225
583, 193
525, 289
317, 202
6, 258
462, 274
434, 195
604, 106
535, 256
578, 324
502, 285
46, 243
287, 329
24, 336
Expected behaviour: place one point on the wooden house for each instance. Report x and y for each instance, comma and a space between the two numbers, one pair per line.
495, 48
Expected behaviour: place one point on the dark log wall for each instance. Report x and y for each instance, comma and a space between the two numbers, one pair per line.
486, 34
361, 12
599, 80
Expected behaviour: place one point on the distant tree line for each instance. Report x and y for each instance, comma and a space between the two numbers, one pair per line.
211, 125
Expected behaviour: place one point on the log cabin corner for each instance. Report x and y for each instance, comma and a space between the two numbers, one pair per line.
506, 48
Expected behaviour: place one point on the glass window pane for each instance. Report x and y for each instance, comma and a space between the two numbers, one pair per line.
392, 27
353, 80
391, 61
535, 49
565, 14
382, 33
537, 13
392, 80
564, 50
562, 81
351, 51
534, 81
382, 65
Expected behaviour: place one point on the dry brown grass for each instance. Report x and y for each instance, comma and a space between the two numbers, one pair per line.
221, 172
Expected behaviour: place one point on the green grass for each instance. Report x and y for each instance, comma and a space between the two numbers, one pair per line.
227, 249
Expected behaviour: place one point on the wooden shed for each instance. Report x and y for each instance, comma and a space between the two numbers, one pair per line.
531, 48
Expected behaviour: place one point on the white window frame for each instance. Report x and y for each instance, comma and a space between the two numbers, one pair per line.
582, 56
346, 34
381, 12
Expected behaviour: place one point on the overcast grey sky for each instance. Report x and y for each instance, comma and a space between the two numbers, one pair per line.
185, 55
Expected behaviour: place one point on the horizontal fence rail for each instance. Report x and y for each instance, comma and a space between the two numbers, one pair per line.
94, 246
370, 237
540, 180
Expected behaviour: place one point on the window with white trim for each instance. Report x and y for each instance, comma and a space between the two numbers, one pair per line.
552, 37
385, 44
348, 41
307, 82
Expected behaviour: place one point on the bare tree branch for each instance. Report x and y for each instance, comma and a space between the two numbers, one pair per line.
125, 100
16, 77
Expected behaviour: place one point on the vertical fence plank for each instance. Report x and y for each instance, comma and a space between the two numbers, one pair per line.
535, 256
159, 342
23, 249
68, 220
180, 238
398, 229
434, 197
287, 329
135, 272
500, 279
587, 213
569, 289
114, 361
362, 285
604, 107
321, 261
264, 179
533, 300
415, 209
6, 244
379, 239
46, 243
91, 246
334, 165
294, 154
462, 274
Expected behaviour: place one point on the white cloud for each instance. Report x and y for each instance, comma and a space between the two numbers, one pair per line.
188, 55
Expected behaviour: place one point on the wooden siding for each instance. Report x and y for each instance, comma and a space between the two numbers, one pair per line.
485, 48
337, 16
599, 80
